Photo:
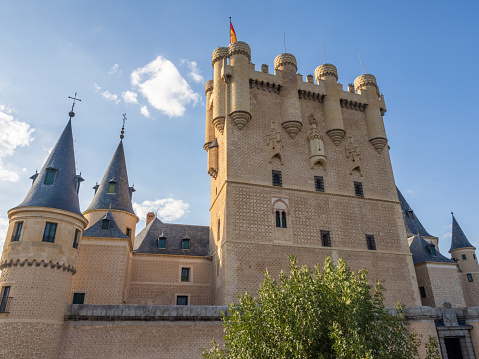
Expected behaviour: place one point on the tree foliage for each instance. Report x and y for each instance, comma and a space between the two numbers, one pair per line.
333, 313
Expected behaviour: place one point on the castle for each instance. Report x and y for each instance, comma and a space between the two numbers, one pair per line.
297, 167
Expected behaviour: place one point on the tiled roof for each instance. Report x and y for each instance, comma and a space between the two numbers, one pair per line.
147, 240
116, 172
459, 239
421, 252
112, 232
412, 223
61, 194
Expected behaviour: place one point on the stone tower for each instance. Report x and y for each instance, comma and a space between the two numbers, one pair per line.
108, 241
464, 253
300, 168
40, 257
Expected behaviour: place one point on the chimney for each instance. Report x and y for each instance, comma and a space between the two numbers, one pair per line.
149, 217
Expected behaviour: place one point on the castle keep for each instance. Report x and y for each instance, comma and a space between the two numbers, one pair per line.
299, 166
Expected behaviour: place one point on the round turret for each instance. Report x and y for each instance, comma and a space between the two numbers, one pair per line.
209, 86
218, 54
285, 59
363, 81
325, 70
239, 47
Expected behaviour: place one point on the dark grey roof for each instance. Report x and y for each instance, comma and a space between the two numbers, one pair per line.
459, 239
116, 172
113, 232
61, 194
413, 225
147, 240
420, 252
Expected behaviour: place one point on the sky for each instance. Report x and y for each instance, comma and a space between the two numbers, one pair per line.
151, 59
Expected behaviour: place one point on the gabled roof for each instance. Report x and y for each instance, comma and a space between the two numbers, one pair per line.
412, 223
147, 240
61, 194
421, 252
112, 232
116, 172
459, 239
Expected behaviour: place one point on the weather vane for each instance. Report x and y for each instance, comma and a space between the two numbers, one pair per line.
71, 113
122, 136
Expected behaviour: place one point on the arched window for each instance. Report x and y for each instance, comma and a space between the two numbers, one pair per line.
278, 219
283, 220
280, 211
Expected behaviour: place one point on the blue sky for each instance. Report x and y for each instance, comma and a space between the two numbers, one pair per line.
151, 59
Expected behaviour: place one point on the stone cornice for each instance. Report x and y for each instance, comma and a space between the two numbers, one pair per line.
264, 85
19, 263
310, 95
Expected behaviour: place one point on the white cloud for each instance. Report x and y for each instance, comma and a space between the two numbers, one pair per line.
167, 209
130, 97
3, 231
144, 111
113, 69
447, 235
98, 28
110, 96
410, 191
194, 73
163, 86
96, 87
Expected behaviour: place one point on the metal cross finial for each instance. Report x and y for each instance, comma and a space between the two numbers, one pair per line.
71, 113
122, 136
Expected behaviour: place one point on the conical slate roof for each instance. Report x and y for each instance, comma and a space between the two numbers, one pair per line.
459, 239
116, 172
421, 252
112, 232
61, 194
412, 223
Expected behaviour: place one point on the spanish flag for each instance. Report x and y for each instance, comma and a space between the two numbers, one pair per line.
232, 33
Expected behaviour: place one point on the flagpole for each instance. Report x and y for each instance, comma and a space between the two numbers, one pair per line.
229, 30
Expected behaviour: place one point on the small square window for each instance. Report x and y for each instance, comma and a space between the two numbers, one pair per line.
464, 257
182, 300
105, 224
49, 233
185, 274
469, 277
325, 239
162, 242
277, 179
319, 183
17, 230
370, 242
76, 239
111, 187
50, 176
422, 290
78, 298
358, 189
185, 244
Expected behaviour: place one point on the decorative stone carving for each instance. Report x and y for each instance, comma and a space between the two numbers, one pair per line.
352, 151
264, 85
309, 95
316, 145
292, 128
273, 140
336, 135
240, 118
354, 105
378, 143
219, 123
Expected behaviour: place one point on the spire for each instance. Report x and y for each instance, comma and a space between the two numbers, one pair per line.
412, 223
57, 185
459, 239
114, 191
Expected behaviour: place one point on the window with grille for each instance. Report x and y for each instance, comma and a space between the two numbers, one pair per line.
49, 232
17, 230
422, 290
358, 189
281, 219
5, 299
181, 300
76, 239
370, 242
319, 183
325, 238
469, 277
277, 179
185, 274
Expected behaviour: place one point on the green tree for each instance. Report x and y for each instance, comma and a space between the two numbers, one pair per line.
333, 313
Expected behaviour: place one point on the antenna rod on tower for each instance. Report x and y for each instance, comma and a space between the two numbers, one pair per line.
361, 63
324, 54
284, 41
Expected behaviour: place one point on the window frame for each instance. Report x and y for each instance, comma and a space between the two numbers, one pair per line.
111, 185
49, 238
183, 241
49, 180
186, 296
319, 183
422, 292
105, 221
358, 189
371, 242
277, 178
469, 277
79, 293
326, 238
163, 239
17, 231
4, 299
464, 257
128, 232
185, 274
76, 239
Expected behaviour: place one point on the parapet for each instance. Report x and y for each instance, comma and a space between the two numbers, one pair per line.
239, 47
366, 80
325, 70
209, 86
284, 59
218, 54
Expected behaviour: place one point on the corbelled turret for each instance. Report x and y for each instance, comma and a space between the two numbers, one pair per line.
459, 239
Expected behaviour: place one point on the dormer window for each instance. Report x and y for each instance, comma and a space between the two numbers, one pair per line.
161, 242
410, 214
50, 176
111, 187
105, 224
185, 243
432, 249
77, 180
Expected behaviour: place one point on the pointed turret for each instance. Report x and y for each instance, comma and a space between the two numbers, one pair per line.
459, 239
57, 185
114, 191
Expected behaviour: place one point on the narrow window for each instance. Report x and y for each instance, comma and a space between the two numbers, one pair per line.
185, 274
77, 185
325, 239
76, 239
218, 234
50, 176
128, 232
319, 183
358, 189
182, 300
469, 277
278, 219
410, 214
49, 233
105, 224
185, 243
111, 187
371, 243
17, 231
432, 249
474, 256
283, 219
78, 298
422, 290
4, 303
162, 242
277, 179
463, 257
